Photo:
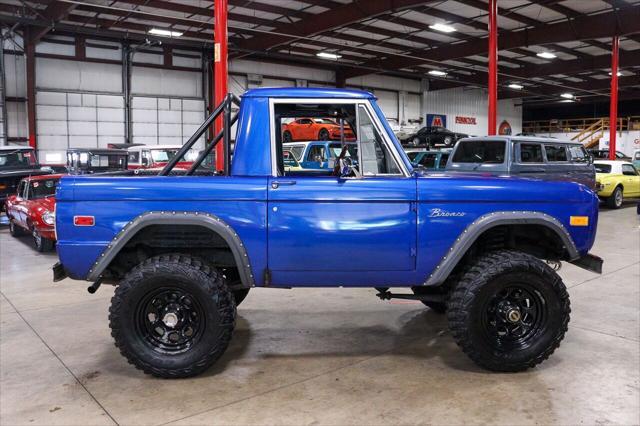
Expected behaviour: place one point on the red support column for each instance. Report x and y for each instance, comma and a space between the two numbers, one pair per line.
220, 68
613, 106
493, 66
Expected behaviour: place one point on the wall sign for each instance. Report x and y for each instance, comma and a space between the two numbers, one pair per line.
436, 120
505, 128
460, 119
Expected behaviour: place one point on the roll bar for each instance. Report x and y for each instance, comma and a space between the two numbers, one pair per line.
224, 135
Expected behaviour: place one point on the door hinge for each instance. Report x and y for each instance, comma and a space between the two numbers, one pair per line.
267, 277
414, 206
414, 252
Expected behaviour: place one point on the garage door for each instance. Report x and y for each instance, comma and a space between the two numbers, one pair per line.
165, 121
77, 120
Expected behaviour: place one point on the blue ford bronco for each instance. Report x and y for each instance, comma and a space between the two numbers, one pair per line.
185, 247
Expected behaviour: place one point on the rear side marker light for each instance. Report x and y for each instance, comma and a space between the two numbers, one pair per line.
579, 220
84, 220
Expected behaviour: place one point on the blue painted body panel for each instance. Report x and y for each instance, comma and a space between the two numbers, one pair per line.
319, 231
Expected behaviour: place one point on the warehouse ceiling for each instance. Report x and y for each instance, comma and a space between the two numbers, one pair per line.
392, 37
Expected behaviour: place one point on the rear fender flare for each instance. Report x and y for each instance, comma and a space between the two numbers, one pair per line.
207, 220
491, 220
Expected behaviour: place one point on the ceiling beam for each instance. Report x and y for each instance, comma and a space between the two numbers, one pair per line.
336, 17
623, 22
54, 12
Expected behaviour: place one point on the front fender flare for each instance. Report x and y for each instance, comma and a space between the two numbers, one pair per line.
491, 220
207, 220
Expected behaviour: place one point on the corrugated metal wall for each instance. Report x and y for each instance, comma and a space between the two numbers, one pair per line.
14, 73
466, 102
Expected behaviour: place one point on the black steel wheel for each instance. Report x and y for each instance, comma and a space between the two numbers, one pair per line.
286, 136
323, 135
509, 311
615, 200
42, 244
172, 316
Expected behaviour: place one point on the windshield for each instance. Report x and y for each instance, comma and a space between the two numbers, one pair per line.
42, 188
487, 152
17, 158
166, 154
603, 168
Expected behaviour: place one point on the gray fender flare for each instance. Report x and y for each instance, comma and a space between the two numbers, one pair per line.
207, 220
491, 220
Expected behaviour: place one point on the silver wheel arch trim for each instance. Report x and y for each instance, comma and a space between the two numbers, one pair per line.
491, 220
207, 220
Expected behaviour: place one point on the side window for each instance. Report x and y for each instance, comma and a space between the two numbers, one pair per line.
629, 170
636, 156
555, 153
484, 152
134, 157
578, 154
374, 154
297, 151
531, 153
317, 154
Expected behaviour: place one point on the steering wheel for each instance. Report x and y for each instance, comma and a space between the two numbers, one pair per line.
343, 166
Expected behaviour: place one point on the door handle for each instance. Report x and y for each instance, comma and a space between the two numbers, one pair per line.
277, 183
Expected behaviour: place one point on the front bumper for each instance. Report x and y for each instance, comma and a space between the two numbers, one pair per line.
589, 262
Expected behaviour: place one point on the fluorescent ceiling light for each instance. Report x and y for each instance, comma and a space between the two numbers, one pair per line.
327, 55
567, 96
516, 86
442, 27
437, 73
546, 55
619, 73
165, 33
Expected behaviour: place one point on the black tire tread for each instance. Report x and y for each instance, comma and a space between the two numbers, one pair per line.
216, 286
611, 200
491, 265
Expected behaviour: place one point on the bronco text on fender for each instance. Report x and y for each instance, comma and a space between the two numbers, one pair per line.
184, 248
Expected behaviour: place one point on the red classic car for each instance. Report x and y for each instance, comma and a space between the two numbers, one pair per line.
31, 210
315, 129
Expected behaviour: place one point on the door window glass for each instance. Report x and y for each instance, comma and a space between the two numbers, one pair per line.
443, 161
134, 157
317, 154
428, 161
375, 156
555, 153
531, 153
629, 170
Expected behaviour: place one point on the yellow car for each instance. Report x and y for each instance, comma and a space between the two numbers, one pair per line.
616, 180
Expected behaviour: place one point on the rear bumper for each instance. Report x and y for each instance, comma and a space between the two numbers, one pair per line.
589, 262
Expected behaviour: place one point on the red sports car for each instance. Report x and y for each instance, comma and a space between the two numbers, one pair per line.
315, 129
31, 210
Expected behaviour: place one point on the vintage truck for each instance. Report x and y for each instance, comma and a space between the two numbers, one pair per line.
184, 249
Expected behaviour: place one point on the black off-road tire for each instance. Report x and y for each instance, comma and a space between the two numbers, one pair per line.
287, 136
193, 276
42, 244
486, 278
14, 229
616, 198
323, 135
